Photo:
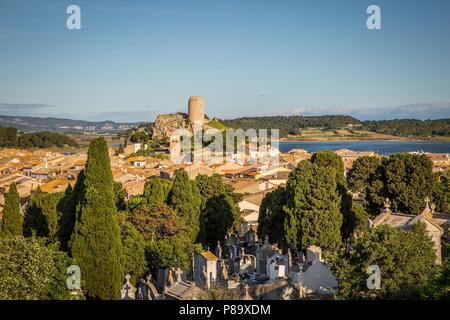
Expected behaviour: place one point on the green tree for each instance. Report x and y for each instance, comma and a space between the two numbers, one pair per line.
441, 194
312, 211
168, 240
10, 137
120, 195
406, 179
438, 288
34, 219
327, 160
157, 222
156, 191
185, 200
61, 261
271, 216
141, 137
219, 211
68, 206
406, 260
169, 252
133, 249
29, 270
12, 221
41, 217
210, 186
359, 220
376, 192
96, 245
359, 175
220, 215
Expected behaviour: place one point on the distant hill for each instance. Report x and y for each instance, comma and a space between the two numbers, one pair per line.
31, 124
292, 125
288, 125
10, 137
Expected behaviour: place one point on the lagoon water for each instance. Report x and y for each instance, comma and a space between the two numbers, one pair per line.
383, 147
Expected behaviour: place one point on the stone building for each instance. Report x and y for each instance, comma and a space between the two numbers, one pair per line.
437, 225
277, 266
263, 253
205, 269
312, 275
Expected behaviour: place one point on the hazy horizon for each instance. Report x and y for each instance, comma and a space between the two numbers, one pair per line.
134, 60
95, 119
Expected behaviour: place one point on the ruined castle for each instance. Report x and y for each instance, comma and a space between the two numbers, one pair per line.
165, 124
196, 109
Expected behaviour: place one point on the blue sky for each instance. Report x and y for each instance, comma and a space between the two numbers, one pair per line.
135, 59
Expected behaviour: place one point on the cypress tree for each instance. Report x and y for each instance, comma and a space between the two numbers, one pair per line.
272, 216
219, 212
220, 216
409, 180
312, 212
156, 191
12, 221
406, 179
96, 246
327, 160
41, 217
185, 200
359, 175
34, 220
68, 208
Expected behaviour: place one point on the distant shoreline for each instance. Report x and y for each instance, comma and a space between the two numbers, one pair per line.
362, 139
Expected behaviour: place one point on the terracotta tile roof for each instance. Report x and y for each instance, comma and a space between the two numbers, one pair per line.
55, 185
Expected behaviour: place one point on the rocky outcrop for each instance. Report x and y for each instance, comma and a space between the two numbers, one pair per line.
165, 124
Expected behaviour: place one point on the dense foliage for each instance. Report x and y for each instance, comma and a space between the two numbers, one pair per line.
219, 213
185, 200
358, 220
313, 214
172, 220
67, 208
141, 137
291, 124
438, 287
10, 137
410, 127
406, 260
314, 208
12, 221
272, 215
96, 244
406, 179
330, 160
167, 240
30, 270
157, 222
41, 217
156, 191
133, 242
441, 193
359, 175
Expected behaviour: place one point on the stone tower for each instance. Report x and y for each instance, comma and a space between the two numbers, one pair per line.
196, 109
